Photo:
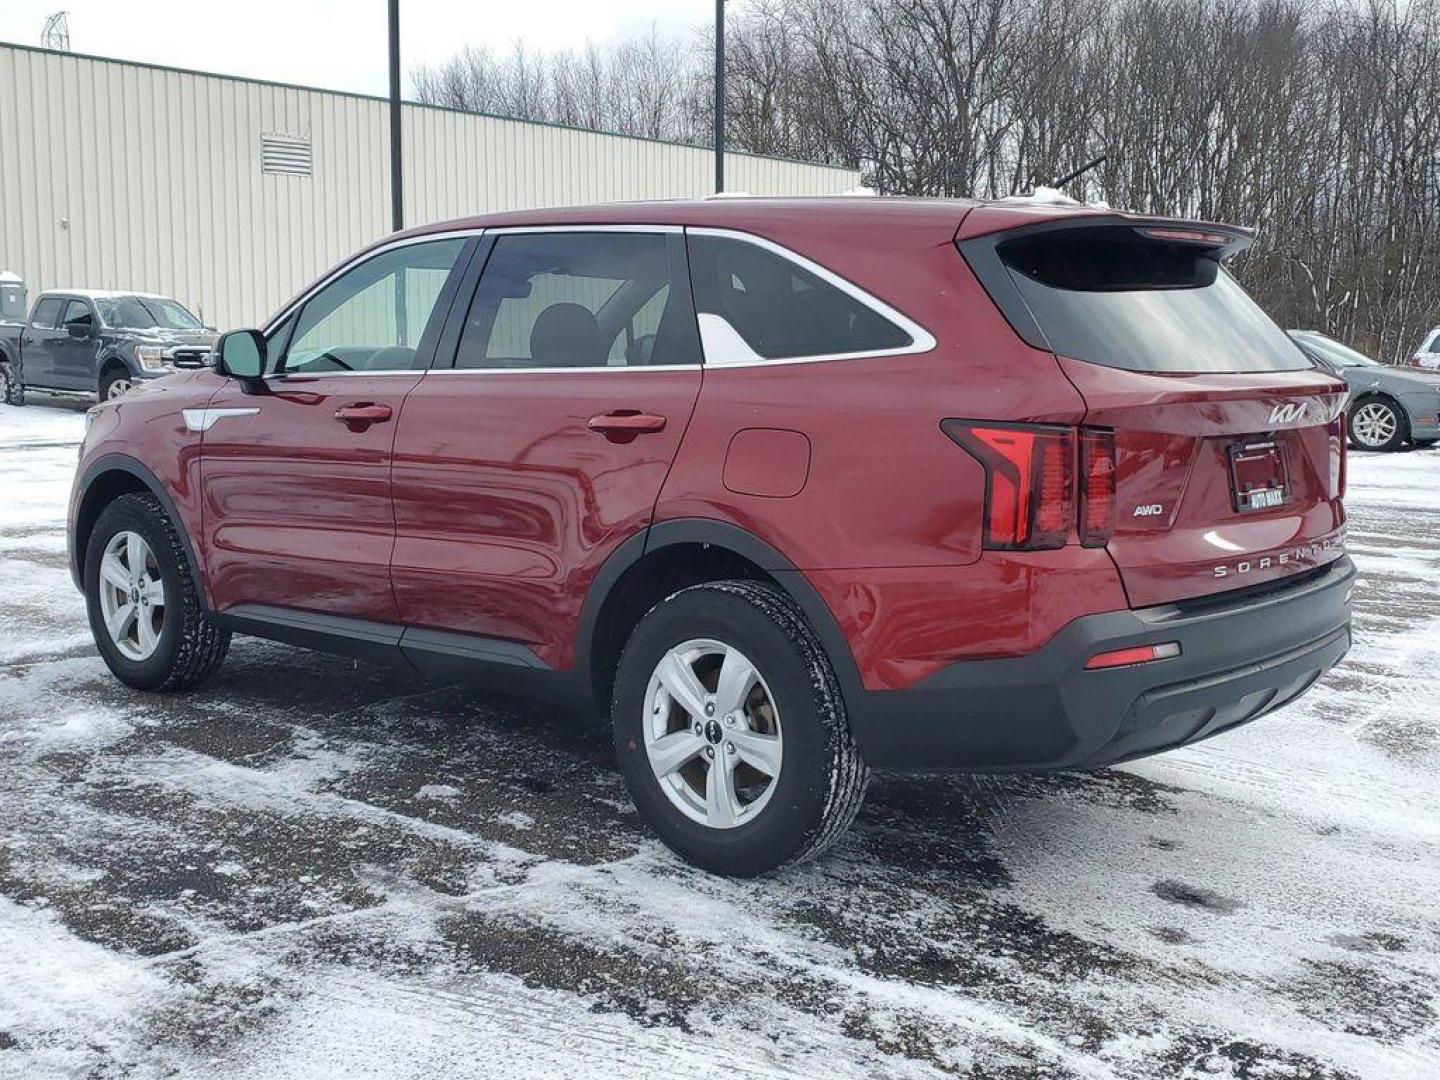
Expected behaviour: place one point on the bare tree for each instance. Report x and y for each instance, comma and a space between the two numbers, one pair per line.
1317, 123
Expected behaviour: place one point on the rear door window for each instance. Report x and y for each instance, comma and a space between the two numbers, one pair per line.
1110, 295
580, 300
47, 313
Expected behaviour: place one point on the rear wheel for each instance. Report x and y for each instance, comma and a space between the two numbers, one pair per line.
115, 383
146, 616
12, 392
1376, 424
731, 731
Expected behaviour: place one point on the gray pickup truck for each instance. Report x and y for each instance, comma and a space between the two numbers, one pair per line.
101, 343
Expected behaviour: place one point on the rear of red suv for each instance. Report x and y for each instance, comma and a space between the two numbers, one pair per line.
791, 488
1202, 474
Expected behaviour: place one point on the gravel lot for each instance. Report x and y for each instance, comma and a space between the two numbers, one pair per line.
309, 869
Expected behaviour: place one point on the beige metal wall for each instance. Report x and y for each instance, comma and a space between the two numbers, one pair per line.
121, 176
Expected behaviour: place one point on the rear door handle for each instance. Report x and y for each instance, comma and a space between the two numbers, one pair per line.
622, 425
362, 414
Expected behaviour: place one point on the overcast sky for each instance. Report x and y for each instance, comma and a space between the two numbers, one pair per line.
337, 44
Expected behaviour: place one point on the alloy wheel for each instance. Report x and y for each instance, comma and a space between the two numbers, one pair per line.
132, 595
712, 733
1374, 424
117, 387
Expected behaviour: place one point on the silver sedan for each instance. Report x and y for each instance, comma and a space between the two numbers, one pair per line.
1388, 406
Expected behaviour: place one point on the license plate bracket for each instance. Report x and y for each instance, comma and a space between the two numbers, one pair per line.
1259, 479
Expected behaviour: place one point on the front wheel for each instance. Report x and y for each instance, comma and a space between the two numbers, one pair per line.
145, 613
1376, 424
12, 391
731, 731
115, 383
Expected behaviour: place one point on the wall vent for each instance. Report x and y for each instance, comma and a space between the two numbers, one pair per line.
287, 154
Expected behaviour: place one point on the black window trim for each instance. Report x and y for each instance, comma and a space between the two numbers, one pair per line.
723, 346
449, 347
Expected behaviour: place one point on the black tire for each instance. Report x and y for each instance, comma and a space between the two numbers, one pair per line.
191, 643
822, 778
12, 391
110, 378
1373, 405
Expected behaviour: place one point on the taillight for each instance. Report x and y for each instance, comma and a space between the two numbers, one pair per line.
1031, 493
1029, 503
1342, 435
1097, 487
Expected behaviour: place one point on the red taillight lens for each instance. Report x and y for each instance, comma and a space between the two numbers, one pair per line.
1342, 436
1097, 487
1028, 487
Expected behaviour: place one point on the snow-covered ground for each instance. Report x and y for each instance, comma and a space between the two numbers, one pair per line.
307, 869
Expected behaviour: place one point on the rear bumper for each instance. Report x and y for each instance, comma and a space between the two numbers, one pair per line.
1242, 655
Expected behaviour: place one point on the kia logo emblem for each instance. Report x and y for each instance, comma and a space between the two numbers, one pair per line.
1287, 414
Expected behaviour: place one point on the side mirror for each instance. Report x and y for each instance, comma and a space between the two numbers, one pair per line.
78, 329
241, 354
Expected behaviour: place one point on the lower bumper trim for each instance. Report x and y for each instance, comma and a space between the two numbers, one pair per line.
1238, 662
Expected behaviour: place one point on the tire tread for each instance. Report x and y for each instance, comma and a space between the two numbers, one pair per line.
203, 642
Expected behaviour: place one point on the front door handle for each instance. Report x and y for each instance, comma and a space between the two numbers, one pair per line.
362, 414
622, 425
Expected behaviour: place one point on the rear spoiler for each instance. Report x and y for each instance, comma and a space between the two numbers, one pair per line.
982, 254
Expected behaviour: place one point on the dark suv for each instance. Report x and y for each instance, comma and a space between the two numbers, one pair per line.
789, 489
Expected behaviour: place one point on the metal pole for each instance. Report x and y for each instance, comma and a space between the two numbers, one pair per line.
397, 191
719, 96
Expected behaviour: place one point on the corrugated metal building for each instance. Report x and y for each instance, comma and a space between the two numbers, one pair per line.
231, 194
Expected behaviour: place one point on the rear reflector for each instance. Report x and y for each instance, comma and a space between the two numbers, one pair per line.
1140, 654
1029, 503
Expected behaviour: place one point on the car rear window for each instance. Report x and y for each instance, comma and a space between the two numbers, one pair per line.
1110, 295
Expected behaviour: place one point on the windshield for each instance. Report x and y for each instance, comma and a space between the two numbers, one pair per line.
1332, 351
1107, 295
145, 313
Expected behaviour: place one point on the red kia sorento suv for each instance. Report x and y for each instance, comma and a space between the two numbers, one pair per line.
790, 489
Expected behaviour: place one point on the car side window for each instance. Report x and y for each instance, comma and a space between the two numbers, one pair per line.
579, 300
77, 311
372, 317
778, 308
47, 313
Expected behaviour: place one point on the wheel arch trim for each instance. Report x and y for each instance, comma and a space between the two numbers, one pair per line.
738, 541
123, 463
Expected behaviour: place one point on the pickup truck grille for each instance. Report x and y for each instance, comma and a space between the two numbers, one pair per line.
189, 356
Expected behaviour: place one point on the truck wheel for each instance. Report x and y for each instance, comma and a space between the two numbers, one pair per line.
1376, 424
114, 383
147, 619
13, 390
731, 731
